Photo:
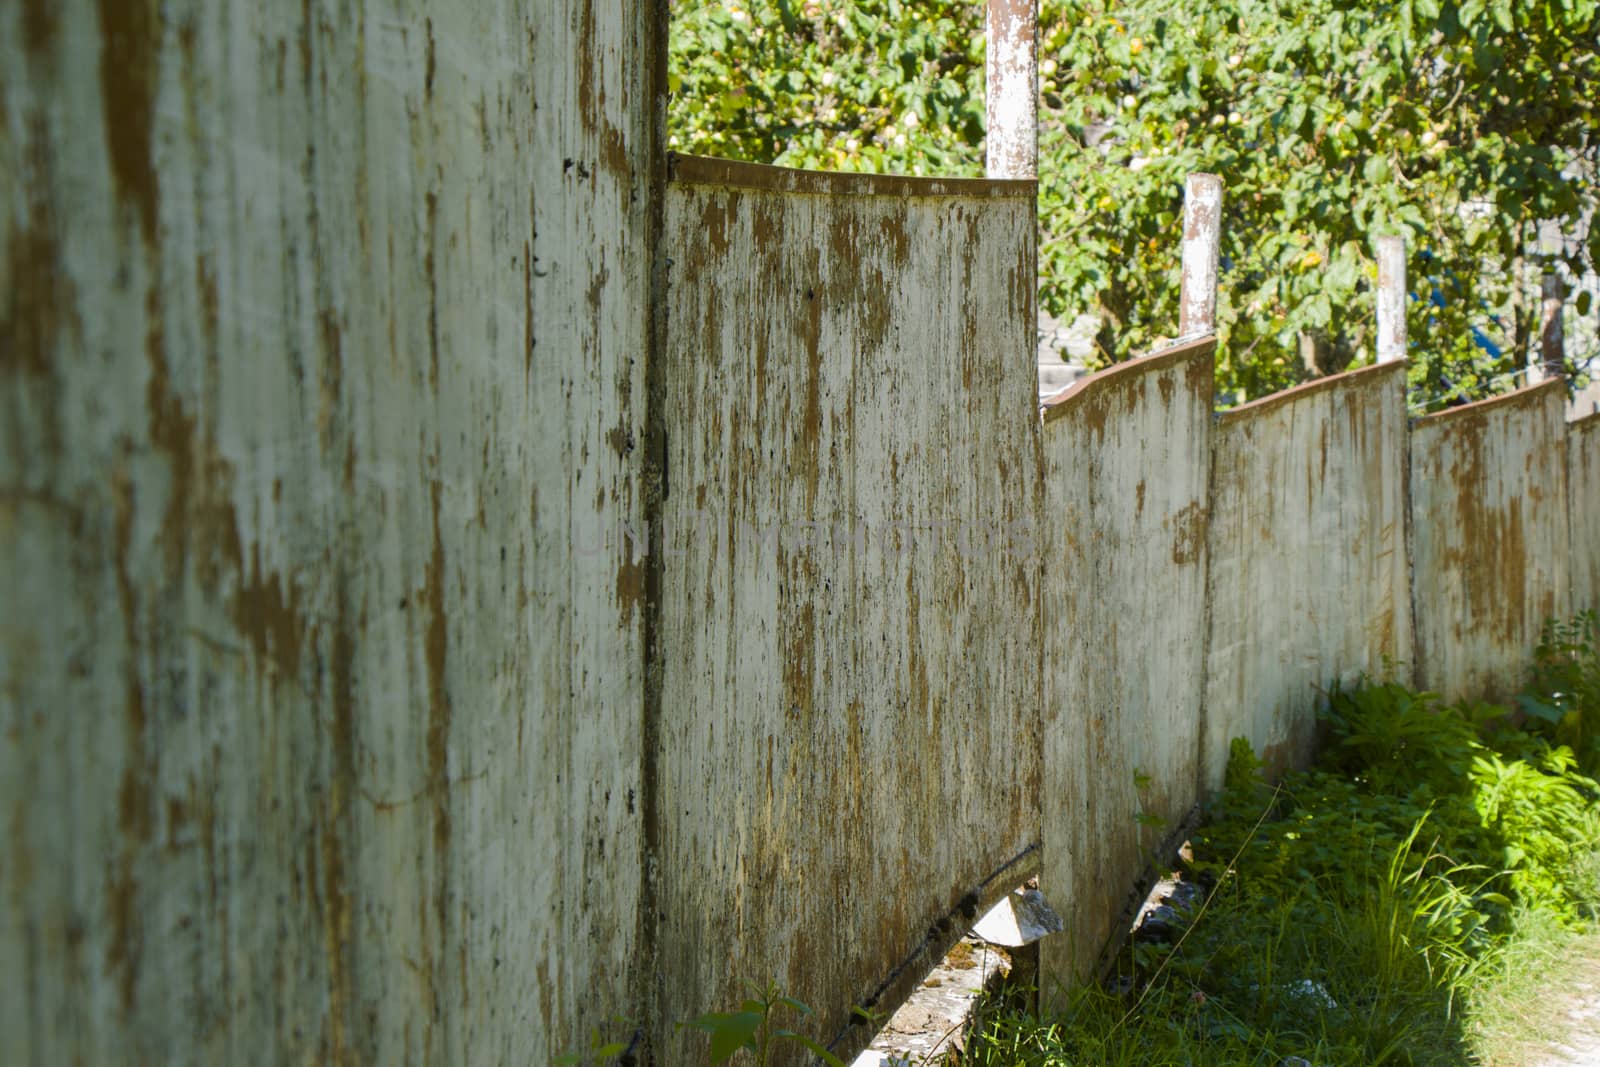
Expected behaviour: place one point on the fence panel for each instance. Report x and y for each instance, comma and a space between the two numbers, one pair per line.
1126, 460
849, 759
1308, 584
1583, 511
317, 736
1489, 532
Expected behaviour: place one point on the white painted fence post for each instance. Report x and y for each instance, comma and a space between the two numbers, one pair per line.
1012, 100
1391, 299
1552, 338
1202, 248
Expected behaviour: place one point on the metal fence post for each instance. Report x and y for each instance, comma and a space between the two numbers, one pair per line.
1011, 149
1391, 299
1202, 248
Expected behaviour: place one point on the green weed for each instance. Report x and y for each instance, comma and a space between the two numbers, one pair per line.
1376, 909
752, 1028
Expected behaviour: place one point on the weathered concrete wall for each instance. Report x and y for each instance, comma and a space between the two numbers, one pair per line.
849, 725
1126, 459
1308, 583
328, 373
1583, 511
322, 329
1489, 533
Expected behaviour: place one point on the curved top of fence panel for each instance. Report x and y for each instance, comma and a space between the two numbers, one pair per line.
706, 170
1053, 407
1301, 391
1526, 395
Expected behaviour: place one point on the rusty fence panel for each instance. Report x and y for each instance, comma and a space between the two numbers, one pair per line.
849, 749
1489, 532
1126, 460
347, 486
1583, 511
318, 739
1308, 583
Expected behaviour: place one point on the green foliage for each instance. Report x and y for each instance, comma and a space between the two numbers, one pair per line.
1331, 122
599, 1050
1565, 704
864, 85
1357, 911
752, 1028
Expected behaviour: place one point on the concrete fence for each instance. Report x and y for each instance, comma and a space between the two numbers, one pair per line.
471, 585
849, 720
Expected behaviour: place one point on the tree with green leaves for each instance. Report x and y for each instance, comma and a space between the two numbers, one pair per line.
875, 85
1461, 126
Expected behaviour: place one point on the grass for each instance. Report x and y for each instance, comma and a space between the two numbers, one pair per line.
1524, 998
1425, 896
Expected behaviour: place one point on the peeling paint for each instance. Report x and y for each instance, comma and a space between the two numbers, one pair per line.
1127, 464
328, 745
1307, 572
834, 707
314, 671
1491, 562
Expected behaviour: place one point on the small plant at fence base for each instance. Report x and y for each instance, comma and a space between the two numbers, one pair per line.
753, 1028
600, 1049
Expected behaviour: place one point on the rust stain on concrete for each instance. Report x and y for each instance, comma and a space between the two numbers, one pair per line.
630, 583
126, 947
892, 235
716, 220
200, 525
330, 385
40, 300
135, 801
436, 647
130, 56
811, 416
1279, 759
800, 661
916, 667
268, 616
40, 22
430, 67
529, 341
337, 907
1490, 553
205, 281
766, 221
1189, 533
